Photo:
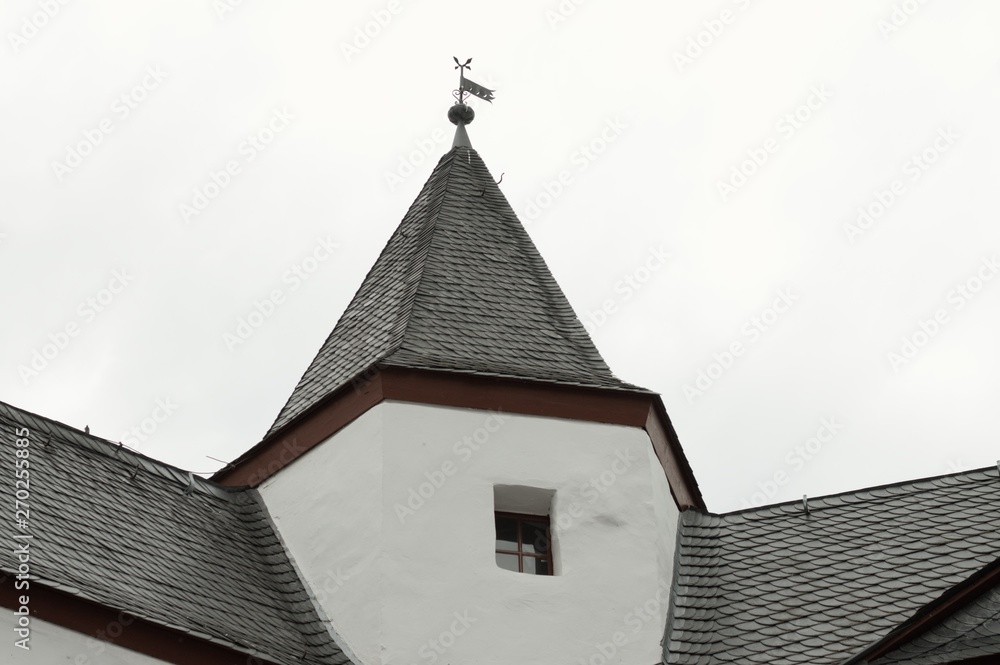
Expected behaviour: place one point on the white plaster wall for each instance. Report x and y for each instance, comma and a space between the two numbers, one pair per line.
327, 506
667, 516
440, 563
55, 645
401, 502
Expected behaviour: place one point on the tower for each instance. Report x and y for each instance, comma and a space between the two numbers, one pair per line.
458, 475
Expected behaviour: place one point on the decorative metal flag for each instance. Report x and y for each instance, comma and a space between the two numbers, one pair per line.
479, 91
468, 86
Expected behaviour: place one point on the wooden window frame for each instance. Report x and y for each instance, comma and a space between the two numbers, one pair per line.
520, 553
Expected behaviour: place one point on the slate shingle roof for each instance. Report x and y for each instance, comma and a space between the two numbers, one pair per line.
772, 585
973, 630
206, 561
459, 287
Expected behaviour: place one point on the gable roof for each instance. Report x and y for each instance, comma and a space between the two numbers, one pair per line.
970, 632
961, 624
776, 585
459, 287
133, 534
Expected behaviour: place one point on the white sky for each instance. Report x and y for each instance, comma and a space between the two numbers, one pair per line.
679, 129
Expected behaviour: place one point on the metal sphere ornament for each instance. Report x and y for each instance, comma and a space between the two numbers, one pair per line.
461, 113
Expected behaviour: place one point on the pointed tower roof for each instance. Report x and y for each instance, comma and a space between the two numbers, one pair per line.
460, 287
460, 311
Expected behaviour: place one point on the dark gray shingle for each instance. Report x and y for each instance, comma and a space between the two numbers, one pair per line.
207, 562
459, 287
971, 631
772, 585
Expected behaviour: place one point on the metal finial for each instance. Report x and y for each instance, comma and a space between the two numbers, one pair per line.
468, 87
805, 504
461, 114
461, 66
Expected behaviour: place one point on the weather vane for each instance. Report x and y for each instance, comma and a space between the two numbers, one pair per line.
467, 86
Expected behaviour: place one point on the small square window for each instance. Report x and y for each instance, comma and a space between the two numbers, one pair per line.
524, 543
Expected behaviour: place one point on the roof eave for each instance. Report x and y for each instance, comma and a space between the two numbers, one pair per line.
636, 408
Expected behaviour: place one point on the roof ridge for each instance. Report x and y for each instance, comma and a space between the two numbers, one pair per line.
555, 298
824, 497
434, 199
115, 451
431, 224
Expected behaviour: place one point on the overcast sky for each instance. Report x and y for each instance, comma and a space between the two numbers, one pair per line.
692, 173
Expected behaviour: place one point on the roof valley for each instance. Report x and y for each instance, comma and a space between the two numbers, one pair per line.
189, 557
